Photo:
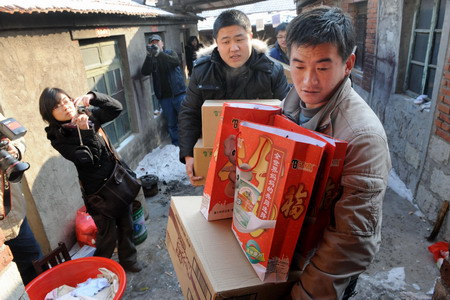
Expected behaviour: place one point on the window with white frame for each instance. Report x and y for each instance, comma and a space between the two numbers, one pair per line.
424, 48
104, 74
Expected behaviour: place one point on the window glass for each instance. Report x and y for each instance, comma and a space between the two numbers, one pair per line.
429, 84
420, 47
425, 14
100, 84
441, 15
435, 48
415, 79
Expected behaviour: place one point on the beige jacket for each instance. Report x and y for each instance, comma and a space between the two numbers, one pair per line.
11, 224
350, 245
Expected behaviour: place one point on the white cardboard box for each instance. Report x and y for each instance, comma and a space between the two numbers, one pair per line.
208, 260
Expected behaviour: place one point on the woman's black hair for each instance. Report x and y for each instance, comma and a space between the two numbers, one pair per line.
47, 102
281, 27
191, 39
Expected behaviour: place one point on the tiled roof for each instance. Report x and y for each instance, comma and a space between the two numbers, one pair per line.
120, 7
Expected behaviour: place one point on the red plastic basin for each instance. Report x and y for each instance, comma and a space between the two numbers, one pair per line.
73, 272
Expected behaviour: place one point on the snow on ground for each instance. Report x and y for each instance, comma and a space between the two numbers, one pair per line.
164, 163
397, 185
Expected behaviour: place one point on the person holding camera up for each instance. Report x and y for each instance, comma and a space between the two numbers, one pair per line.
74, 131
13, 221
168, 81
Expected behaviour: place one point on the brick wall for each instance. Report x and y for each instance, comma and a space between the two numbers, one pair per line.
442, 121
365, 81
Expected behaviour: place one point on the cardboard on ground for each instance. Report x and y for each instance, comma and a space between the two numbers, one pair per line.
208, 260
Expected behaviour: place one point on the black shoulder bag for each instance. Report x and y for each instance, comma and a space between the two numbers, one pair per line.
114, 197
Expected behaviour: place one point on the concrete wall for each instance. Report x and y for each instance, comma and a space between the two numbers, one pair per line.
34, 59
420, 158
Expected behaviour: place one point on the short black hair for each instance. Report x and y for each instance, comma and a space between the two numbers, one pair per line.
229, 18
281, 27
47, 102
321, 25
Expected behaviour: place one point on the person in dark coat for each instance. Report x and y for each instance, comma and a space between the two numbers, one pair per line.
59, 110
168, 81
193, 45
236, 68
279, 49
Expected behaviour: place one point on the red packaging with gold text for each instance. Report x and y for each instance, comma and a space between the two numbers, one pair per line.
326, 190
275, 179
218, 194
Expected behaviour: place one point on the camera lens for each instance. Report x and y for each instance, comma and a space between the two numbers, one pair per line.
12, 167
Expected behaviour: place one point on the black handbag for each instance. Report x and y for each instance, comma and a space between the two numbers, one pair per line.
114, 197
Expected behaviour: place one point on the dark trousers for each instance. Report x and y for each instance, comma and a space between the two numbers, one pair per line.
112, 231
25, 249
170, 109
350, 290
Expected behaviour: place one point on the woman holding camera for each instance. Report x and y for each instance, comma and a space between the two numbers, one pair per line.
69, 119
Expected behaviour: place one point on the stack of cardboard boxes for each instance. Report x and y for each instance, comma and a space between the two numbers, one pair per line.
211, 111
217, 260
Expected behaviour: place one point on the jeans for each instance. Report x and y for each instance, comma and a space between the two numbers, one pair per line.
170, 109
25, 249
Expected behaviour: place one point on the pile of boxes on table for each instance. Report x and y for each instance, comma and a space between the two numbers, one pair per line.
269, 183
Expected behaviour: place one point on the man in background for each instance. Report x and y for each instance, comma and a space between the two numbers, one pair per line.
235, 68
168, 81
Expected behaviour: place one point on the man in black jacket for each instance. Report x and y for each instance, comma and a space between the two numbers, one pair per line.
235, 69
168, 81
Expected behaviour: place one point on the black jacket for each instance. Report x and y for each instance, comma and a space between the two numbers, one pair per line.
265, 80
168, 81
65, 140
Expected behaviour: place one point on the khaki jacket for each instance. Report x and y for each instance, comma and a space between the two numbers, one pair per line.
350, 244
11, 224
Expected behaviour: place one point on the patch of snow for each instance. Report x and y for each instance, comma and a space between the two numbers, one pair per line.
398, 186
164, 163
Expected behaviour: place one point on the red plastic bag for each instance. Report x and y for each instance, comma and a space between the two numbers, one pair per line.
85, 228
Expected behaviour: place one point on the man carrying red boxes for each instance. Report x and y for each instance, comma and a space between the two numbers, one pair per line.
321, 43
236, 68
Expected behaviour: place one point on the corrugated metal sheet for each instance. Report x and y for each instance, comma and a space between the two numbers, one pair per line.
81, 7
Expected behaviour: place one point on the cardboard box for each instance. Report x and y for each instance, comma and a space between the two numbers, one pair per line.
218, 195
211, 110
202, 156
209, 262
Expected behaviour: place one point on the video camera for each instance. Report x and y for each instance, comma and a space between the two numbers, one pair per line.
11, 167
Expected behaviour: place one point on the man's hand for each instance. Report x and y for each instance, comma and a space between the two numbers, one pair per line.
153, 50
12, 150
190, 170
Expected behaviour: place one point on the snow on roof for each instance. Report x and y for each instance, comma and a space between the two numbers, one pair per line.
120, 7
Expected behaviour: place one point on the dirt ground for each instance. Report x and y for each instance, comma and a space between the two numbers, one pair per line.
403, 269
